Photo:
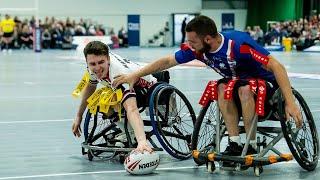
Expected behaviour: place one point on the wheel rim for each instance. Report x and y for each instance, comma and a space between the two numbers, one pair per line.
155, 123
303, 142
178, 121
96, 139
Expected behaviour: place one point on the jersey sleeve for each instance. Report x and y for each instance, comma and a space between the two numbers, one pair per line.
249, 49
186, 54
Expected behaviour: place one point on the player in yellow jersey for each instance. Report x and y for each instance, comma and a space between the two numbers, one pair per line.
7, 27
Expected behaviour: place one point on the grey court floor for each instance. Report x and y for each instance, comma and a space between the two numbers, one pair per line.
37, 112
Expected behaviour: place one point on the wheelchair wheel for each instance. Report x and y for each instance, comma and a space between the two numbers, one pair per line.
204, 133
172, 118
304, 142
99, 131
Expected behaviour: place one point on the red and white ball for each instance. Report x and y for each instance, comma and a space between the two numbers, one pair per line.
138, 163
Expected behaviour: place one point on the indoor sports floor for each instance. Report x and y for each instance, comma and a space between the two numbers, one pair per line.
37, 111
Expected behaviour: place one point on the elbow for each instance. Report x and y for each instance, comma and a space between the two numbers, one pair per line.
275, 66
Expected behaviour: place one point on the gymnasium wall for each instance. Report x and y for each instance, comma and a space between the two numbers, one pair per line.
240, 16
111, 13
259, 12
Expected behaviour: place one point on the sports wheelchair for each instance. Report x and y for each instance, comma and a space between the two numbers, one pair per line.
303, 143
171, 120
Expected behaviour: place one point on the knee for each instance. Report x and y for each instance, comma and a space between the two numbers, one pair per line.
221, 88
222, 102
245, 93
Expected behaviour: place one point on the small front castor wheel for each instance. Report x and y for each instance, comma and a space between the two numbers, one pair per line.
257, 170
211, 167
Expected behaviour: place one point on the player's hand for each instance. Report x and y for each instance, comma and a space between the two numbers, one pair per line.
292, 110
143, 146
125, 78
76, 127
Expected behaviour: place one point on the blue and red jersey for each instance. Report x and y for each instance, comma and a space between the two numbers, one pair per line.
238, 56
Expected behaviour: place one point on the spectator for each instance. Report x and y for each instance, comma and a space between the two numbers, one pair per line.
7, 26
25, 38
183, 30
258, 35
46, 38
56, 36
123, 38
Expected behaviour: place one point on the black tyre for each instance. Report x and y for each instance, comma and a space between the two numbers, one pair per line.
304, 142
174, 120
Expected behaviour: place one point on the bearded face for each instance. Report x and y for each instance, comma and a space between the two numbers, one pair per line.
205, 47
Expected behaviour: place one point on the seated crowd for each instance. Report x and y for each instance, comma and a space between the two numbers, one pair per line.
56, 34
303, 32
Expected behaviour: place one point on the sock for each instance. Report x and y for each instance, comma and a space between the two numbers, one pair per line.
253, 143
236, 139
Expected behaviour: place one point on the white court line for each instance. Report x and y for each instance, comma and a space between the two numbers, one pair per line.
34, 97
36, 121
94, 172
47, 121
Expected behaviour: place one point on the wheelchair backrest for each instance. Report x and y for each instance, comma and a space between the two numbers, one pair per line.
163, 76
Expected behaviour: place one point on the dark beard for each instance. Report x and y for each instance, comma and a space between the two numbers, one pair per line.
206, 48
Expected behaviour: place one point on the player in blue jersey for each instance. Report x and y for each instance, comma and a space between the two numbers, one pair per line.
249, 73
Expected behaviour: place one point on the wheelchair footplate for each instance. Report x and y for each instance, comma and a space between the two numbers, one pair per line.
111, 149
109, 152
238, 163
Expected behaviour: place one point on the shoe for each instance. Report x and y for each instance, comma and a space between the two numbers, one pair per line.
234, 149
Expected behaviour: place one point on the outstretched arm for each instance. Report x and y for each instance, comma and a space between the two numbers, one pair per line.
282, 79
136, 123
156, 66
76, 129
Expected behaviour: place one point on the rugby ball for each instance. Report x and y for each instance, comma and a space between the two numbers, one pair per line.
141, 163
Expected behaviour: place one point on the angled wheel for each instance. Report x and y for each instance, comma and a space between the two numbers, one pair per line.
304, 142
99, 131
172, 118
204, 133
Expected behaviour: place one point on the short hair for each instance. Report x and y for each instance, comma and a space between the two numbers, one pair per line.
202, 26
96, 48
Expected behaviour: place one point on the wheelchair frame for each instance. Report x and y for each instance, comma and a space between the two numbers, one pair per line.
287, 131
158, 120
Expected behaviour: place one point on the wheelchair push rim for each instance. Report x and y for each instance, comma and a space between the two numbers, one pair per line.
303, 142
174, 130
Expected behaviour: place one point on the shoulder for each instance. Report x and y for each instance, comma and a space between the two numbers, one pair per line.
237, 36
